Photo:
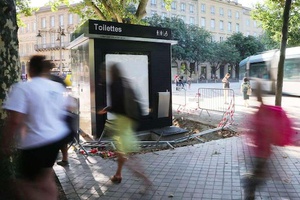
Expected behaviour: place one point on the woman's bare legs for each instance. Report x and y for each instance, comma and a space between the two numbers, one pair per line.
121, 160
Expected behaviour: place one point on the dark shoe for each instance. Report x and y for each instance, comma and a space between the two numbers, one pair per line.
116, 179
63, 163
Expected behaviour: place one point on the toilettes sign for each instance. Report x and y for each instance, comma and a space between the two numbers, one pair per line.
130, 30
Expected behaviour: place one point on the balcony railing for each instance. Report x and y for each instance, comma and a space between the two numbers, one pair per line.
49, 47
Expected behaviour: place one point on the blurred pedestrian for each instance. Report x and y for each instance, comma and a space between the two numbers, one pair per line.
263, 133
124, 125
226, 86
64, 147
181, 82
176, 80
189, 82
246, 91
35, 122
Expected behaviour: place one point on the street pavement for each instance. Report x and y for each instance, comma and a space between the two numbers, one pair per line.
211, 170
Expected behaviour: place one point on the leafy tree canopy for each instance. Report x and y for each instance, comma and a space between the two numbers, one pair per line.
122, 11
270, 15
193, 42
245, 45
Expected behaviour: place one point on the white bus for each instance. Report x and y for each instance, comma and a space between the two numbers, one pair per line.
264, 67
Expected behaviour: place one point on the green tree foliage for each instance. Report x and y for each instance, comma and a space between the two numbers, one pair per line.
270, 15
193, 42
268, 42
245, 46
221, 54
122, 11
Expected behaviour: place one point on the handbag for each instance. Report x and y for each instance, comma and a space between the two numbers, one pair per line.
249, 91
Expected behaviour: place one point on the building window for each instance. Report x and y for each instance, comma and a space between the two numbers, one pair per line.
221, 12
212, 10
203, 23
52, 21
52, 56
174, 15
163, 4
221, 39
212, 38
221, 25
183, 18
43, 22
248, 22
237, 28
24, 49
173, 5
212, 24
229, 13
153, 2
164, 15
61, 20
229, 27
27, 28
255, 34
192, 8
247, 33
62, 40
27, 48
254, 24
192, 20
237, 15
153, 12
52, 39
203, 8
34, 26
182, 6
44, 39
70, 18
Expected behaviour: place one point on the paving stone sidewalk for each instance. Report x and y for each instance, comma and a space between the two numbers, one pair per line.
212, 170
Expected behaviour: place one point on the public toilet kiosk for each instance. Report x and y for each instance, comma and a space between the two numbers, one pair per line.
144, 54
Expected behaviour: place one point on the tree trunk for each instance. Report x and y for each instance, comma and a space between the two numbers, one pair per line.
141, 10
9, 51
9, 74
286, 16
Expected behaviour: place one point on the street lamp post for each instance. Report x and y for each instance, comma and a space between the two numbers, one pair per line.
60, 31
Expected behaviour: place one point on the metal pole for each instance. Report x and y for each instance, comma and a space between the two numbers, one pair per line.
60, 56
60, 53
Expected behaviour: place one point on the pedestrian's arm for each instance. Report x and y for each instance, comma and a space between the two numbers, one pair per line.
104, 110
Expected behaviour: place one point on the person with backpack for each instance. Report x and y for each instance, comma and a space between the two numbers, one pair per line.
36, 129
126, 108
246, 90
226, 86
268, 126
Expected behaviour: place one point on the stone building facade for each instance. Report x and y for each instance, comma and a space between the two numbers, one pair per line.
47, 33
220, 17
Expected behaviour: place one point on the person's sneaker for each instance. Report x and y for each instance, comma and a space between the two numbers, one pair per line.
63, 163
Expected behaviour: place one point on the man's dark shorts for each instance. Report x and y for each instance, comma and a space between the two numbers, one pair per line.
33, 161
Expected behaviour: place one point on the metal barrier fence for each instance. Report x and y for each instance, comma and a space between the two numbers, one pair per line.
215, 99
75, 113
207, 99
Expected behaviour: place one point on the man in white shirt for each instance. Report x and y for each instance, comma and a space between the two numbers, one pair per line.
36, 124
